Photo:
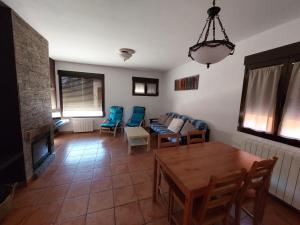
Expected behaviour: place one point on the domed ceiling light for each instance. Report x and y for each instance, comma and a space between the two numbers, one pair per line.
211, 51
126, 53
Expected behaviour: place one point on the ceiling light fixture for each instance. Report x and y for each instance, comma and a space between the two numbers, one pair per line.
126, 53
211, 51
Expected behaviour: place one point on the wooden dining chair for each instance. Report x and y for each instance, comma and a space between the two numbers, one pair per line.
255, 190
196, 136
165, 141
214, 207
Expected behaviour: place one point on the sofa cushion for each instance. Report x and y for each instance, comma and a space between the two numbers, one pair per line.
199, 124
176, 125
138, 114
137, 117
155, 126
162, 119
172, 114
108, 124
183, 117
132, 124
186, 128
168, 121
115, 114
164, 130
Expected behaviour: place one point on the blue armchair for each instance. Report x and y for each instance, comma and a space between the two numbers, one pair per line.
114, 120
137, 118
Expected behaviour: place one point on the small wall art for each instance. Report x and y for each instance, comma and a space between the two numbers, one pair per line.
187, 83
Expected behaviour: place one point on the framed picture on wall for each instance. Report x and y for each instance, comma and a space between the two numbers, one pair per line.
187, 83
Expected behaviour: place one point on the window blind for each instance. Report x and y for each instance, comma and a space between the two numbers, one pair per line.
81, 96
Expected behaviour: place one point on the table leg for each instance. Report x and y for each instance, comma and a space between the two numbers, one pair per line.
188, 206
154, 194
129, 147
148, 143
125, 136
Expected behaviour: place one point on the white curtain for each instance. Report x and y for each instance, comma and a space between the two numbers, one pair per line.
151, 88
260, 100
139, 88
290, 126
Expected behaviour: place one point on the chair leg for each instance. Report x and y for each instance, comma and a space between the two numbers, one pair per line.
115, 131
237, 213
259, 207
225, 221
170, 204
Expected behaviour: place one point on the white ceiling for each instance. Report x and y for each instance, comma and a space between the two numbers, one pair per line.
92, 31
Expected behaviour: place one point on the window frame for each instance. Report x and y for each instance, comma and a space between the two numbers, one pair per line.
286, 56
145, 81
64, 73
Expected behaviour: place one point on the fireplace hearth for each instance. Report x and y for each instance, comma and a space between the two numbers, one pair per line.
42, 151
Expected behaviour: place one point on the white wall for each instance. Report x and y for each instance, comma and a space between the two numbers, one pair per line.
217, 100
118, 89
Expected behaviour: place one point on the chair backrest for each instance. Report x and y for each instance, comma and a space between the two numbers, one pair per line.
196, 136
115, 113
168, 140
221, 193
138, 114
259, 176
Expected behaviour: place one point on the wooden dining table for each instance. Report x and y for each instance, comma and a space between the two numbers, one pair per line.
190, 168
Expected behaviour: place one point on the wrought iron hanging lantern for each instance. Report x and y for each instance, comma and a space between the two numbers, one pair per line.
211, 51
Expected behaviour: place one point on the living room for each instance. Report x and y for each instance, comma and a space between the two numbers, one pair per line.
132, 113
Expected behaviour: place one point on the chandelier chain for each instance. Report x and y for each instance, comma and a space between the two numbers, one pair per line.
207, 31
222, 28
214, 29
203, 30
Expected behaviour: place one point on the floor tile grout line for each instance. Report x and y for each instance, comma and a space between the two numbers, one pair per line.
60, 208
114, 204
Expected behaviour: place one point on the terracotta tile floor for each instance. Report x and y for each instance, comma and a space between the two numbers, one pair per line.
93, 181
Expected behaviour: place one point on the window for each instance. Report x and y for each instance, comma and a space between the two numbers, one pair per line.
144, 86
270, 105
81, 94
290, 125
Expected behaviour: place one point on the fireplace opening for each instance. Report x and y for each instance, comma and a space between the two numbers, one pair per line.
41, 149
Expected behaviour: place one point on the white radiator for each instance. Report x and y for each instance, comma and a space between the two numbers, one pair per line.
83, 125
285, 182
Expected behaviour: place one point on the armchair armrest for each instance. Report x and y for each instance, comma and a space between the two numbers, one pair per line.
116, 126
104, 121
153, 119
143, 122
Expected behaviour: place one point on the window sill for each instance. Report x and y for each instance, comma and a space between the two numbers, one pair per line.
82, 117
150, 95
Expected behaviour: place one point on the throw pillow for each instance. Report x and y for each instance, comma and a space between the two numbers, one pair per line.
168, 121
162, 119
175, 125
186, 128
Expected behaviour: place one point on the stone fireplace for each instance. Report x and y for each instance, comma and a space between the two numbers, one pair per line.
27, 114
